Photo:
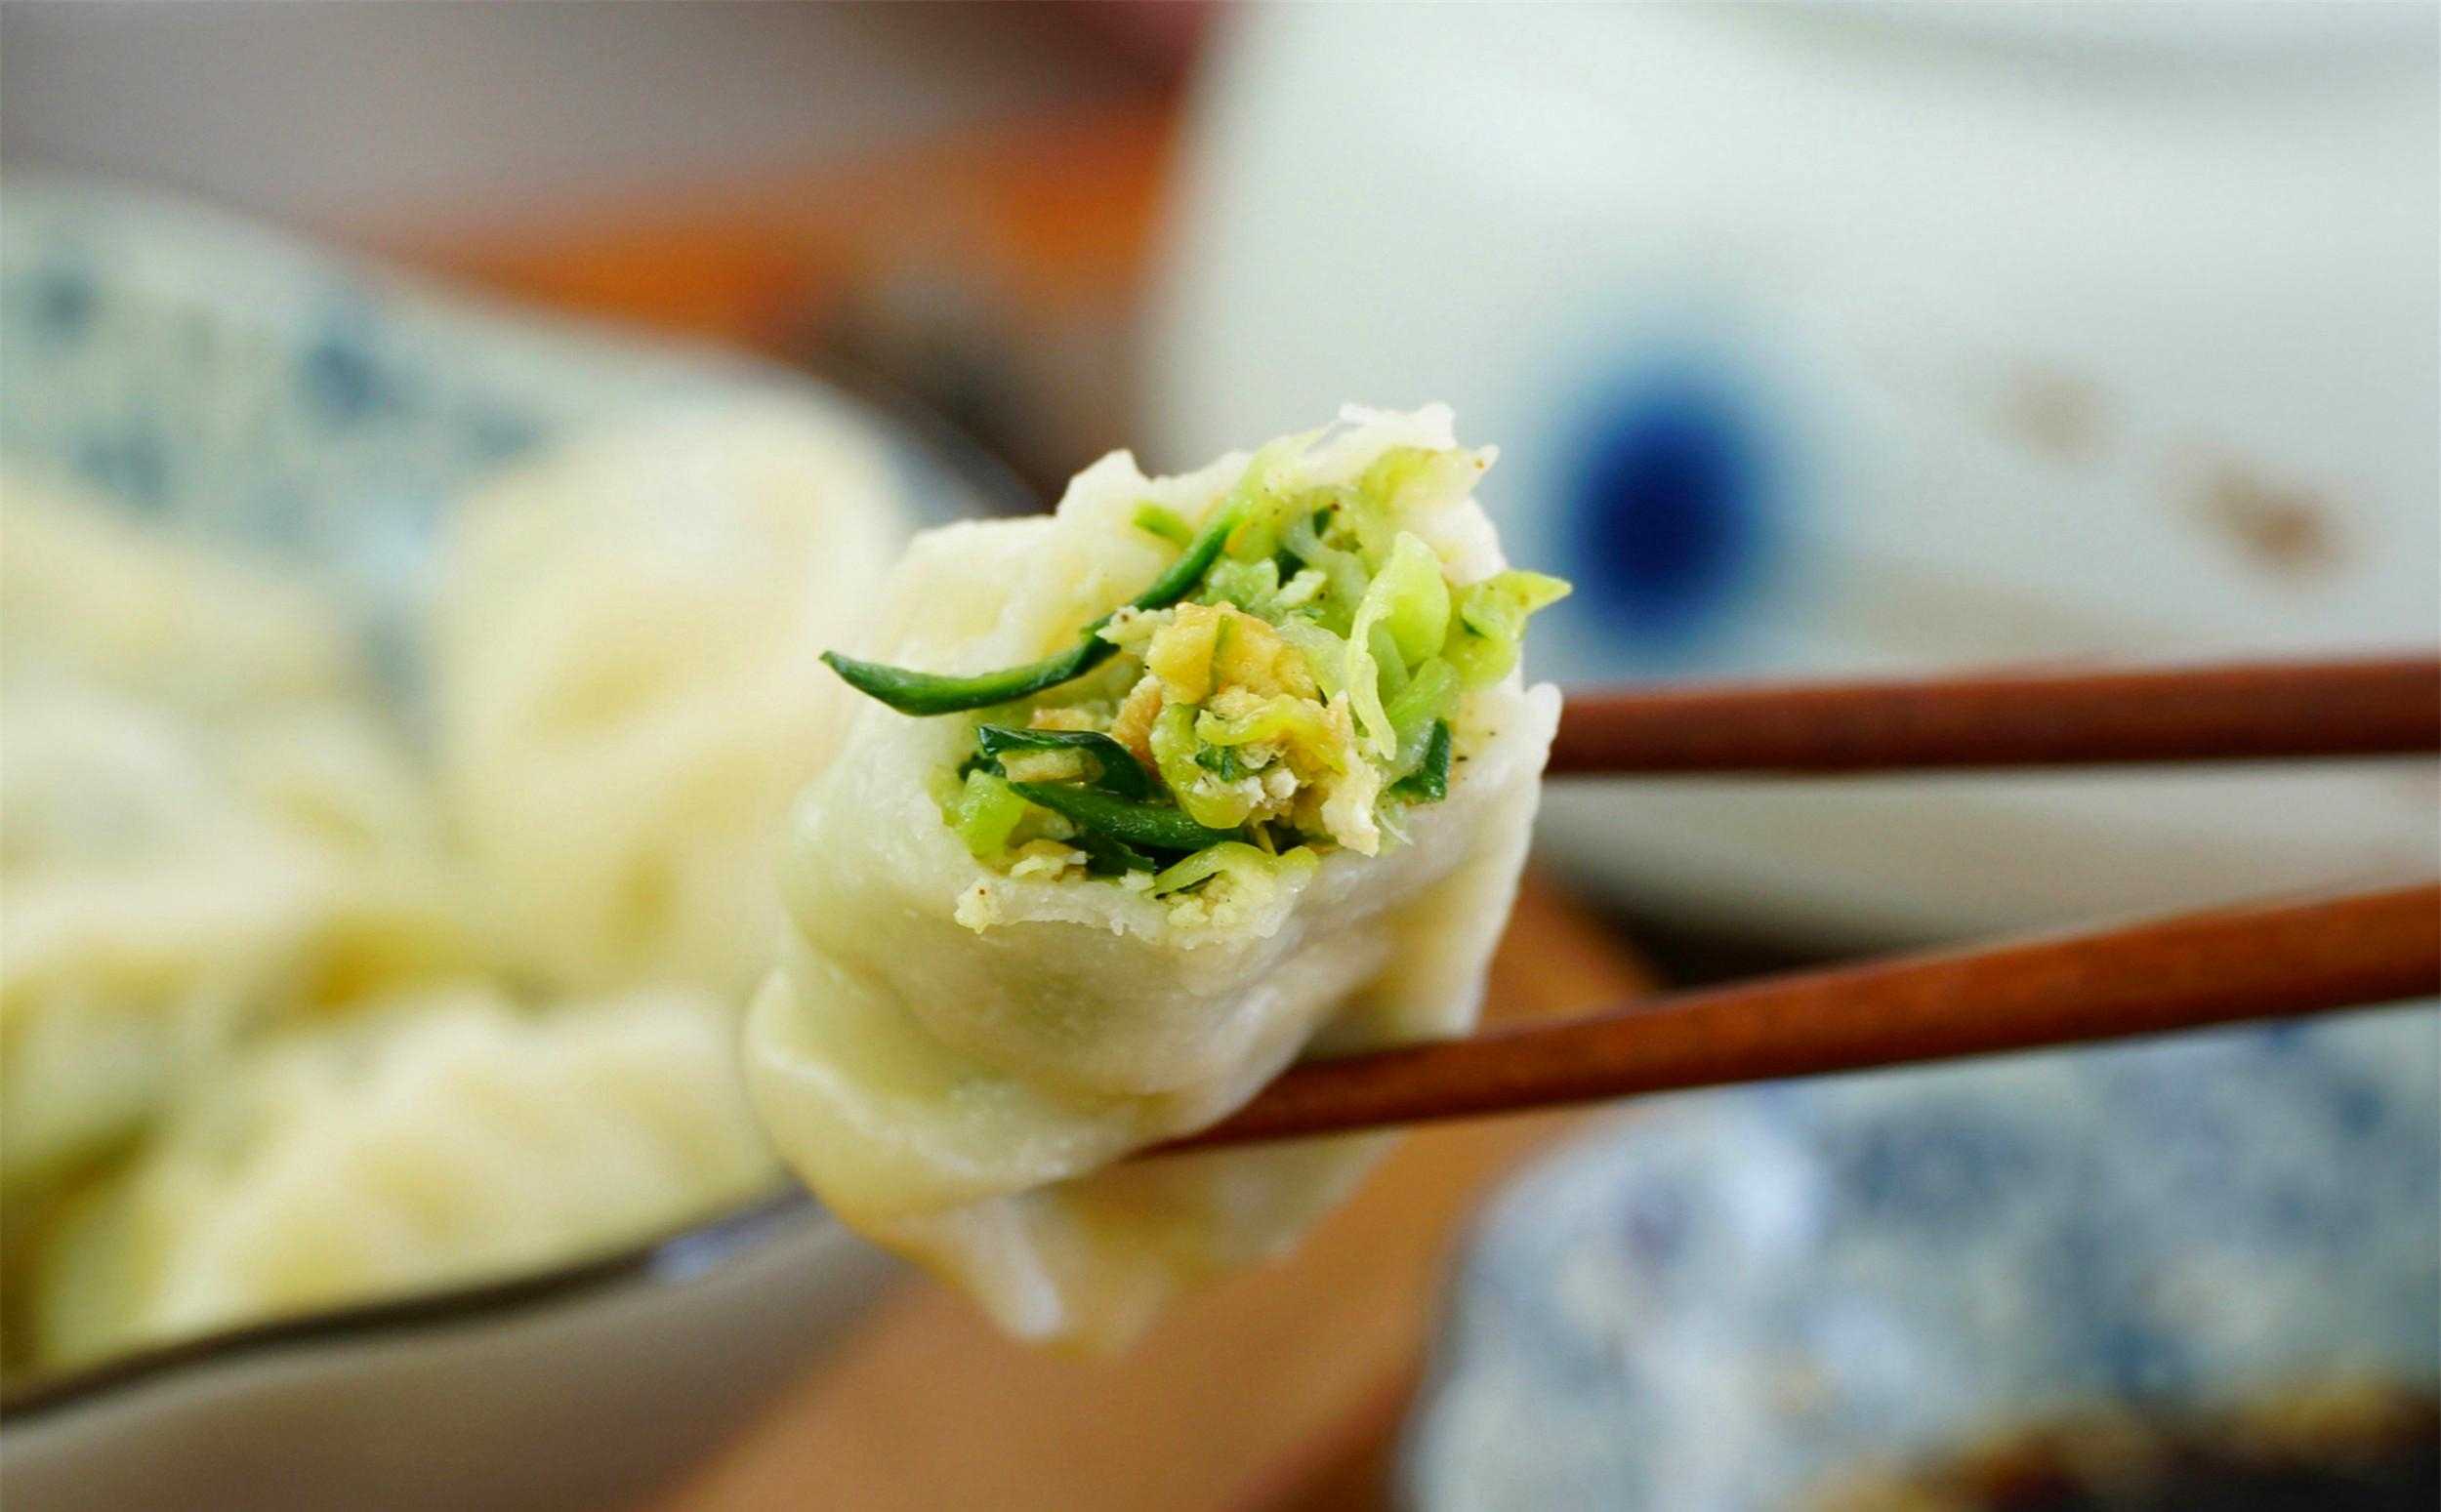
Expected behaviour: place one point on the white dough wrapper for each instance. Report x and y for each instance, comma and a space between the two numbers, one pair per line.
199, 627
434, 1138
168, 887
206, 824
953, 1091
624, 652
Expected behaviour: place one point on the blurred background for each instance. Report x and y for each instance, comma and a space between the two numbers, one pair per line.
1815, 338
1890, 335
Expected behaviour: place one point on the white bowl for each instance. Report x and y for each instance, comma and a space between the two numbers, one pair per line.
1833, 339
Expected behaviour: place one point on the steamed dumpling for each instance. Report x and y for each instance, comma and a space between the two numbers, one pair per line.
268, 1041
435, 1139
626, 684
1005, 974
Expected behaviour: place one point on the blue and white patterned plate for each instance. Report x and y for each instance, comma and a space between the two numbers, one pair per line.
220, 381
1722, 1302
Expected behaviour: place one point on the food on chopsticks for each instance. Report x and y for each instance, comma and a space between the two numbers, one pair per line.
1196, 776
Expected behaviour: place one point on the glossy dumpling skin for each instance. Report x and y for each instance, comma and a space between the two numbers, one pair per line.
439, 1137
627, 697
949, 1053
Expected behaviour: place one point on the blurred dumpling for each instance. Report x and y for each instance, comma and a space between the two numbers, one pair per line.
435, 1139
1275, 808
204, 824
626, 688
266, 1034
122, 604
166, 889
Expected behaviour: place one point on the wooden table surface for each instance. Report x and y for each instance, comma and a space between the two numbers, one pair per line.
1279, 1389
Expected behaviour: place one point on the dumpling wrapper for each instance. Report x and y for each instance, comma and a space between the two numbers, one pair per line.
439, 1137
171, 891
205, 823
953, 1092
626, 683
120, 602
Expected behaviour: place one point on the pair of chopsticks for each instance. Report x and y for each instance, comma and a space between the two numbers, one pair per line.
2224, 966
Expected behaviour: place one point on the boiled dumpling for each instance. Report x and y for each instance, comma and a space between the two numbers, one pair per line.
434, 1139
626, 684
204, 824
1273, 805
168, 889
176, 623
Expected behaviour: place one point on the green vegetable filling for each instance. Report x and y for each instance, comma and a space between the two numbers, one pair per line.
1292, 679
1114, 770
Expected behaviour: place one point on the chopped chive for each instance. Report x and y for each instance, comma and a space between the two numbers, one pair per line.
1193, 562
934, 693
1221, 760
1106, 857
1146, 825
929, 693
1122, 775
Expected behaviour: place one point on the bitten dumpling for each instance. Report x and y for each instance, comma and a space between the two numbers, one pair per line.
1264, 795
440, 1138
626, 696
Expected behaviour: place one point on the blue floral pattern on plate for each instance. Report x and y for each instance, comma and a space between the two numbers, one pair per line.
1721, 1301
195, 369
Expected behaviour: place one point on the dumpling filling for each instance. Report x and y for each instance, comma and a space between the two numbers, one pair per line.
1289, 687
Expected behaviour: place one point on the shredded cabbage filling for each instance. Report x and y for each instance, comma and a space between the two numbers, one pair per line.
1290, 693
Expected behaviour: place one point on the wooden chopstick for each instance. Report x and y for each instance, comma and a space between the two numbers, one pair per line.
2254, 711
2278, 961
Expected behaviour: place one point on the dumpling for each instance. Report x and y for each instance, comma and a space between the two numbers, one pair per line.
625, 676
1273, 805
167, 887
434, 1139
122, 604
204, 823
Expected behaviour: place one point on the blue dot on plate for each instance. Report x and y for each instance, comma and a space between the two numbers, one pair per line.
1667, 507
60, 302
130, 462
342, 376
